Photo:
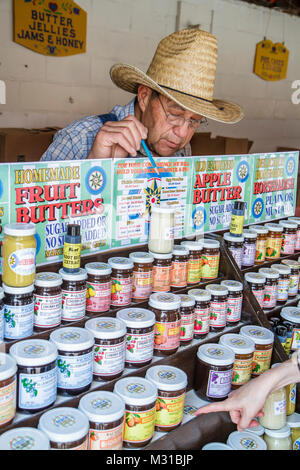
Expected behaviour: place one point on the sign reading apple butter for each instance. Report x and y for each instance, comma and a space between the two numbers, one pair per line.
56, 28
271, 60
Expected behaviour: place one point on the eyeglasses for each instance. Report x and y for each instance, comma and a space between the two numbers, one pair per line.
176, 120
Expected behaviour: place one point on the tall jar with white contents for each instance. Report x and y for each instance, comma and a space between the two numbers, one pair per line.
161, 232
274, 410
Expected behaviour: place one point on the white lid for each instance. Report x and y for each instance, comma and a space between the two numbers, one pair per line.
136, 391
269, 273
8, 366
24, 438
136, 317
216, 446
19, 229
216, 354
231, 238
274, 227
238, 343
258, 334
120, 263
288, 224
246, 440
291, 314
98, 269
249, 233
278, 433
161, 255
64, 424
200, 295
17, 290
48, 279
1, 293
187, 300
281, 269
180, 250
33, 352
210, 244
259, 430
193, 245
102, 406
293, 420
255, 278
80, 275
141, 257
232, 286
162, 210
296, 220
292, 263
164, 301
106, 327
217, 289
260, 229
167, 378
72, 338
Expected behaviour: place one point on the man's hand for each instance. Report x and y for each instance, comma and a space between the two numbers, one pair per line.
118, 139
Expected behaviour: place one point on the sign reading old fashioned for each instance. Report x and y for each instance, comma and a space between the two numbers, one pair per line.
55, 28
271, 60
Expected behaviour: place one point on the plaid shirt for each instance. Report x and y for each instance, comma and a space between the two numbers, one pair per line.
75, 141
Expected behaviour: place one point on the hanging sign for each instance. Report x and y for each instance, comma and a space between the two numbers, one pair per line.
55, 28
271, 60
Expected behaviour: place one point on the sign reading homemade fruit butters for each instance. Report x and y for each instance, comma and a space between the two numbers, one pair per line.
111, 199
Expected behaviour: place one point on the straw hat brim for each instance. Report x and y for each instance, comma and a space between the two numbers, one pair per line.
128, 77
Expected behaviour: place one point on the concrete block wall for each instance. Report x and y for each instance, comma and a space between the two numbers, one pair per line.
49, 91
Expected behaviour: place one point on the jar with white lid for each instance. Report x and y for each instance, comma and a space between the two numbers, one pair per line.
261, 242
283, 281
47, 300
109, 347
249, 249
142, 275
24, 438
140, 397
162, 228
195, 258
218, 306
271, 286
74, 360
210, 259
246, 440
234, 301
8, 381
289, 237
1, 315
293, 421
274, 241
216, 446
179, 270
274, 410
121, 281
98, 296
74, 292
105, 411
243, 349
202, 312
294, 276
264, 340
278, 439
296, 220
140, 335
18, 311
171, 383
187, 312
37, 374
258, 429
257, 284
162, 269
67, 428
236, 246
292, 315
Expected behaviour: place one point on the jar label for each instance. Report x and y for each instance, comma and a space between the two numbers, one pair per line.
297, 246
142, 285
187, 327
210, 266
109, 359
288, 243
283, 289
109, 439
279, 407
241, 371
296, 444
98, 296
261, 361
18, 321
234, 309
7, 403
218, 312
2, 324
236, 224
74, 371
270, 296
168, 233
47, 310
237, 254
273, 248
167, 335
161, 278
260, 253
179, 274
139, 426
71, 255
121, 291
293, 285
139, 348
249, 252
259, 295
22, 262
219, 383
295, 342
201, 325
194, 271
83, 446
37, 390
169, 411
73, 305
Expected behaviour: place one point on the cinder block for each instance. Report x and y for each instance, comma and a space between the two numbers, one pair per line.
19, 63
72, 69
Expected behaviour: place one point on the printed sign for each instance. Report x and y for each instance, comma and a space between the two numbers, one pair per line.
271, 60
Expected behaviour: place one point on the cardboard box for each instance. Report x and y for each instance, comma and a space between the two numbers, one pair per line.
24, 145
203, 144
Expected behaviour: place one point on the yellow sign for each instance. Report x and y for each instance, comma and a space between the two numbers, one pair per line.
56, 28
271, 60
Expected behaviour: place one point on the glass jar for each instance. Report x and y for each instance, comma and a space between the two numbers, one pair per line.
105, 411
274, 410
289, 237
283, 281
246, 440
271, 287
261, 243
142, 280
168, 323
290, 330
235, 301
210, 259
290, 391
293, 422
296, 220
218, 306
18, 311
8, 381
179, 271
161, 231
243, 349
98, 295
74, 293
216, 446
264, 340
194, 262
257, 283
18, 254
249, 250
171, 383
202, 312
294, 276
292, 315
121, 281
47, 301
1, 315
24, 438
237, 218
281, 333
187, 319
274, 241
236, 247
162, 267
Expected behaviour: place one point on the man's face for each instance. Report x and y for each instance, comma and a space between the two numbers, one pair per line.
165, 138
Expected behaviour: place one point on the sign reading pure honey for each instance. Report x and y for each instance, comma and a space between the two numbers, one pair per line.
56, 28
271, 60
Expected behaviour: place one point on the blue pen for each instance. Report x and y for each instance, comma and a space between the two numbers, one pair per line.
150, 157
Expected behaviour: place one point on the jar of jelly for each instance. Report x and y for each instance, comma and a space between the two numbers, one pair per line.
98, 296
47, 301
74, 292
24, 438
235, 301
18, 311
289, 237
271, 286
179, 271
236, 247
292, 315
8, 389
283, 281
142, 280
243, 349
187, 319
296, 220
194, 262
210, 259
202, 312
162, 267
249, 250
274, 241
261, 243
257, 283
121, 281
294, 276
218, 306
246, 440
264, 340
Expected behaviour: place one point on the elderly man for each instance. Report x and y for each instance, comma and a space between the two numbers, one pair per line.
172, 99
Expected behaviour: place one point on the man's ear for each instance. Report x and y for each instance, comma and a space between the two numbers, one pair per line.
143, 96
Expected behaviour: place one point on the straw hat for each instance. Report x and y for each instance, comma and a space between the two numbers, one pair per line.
183, 69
